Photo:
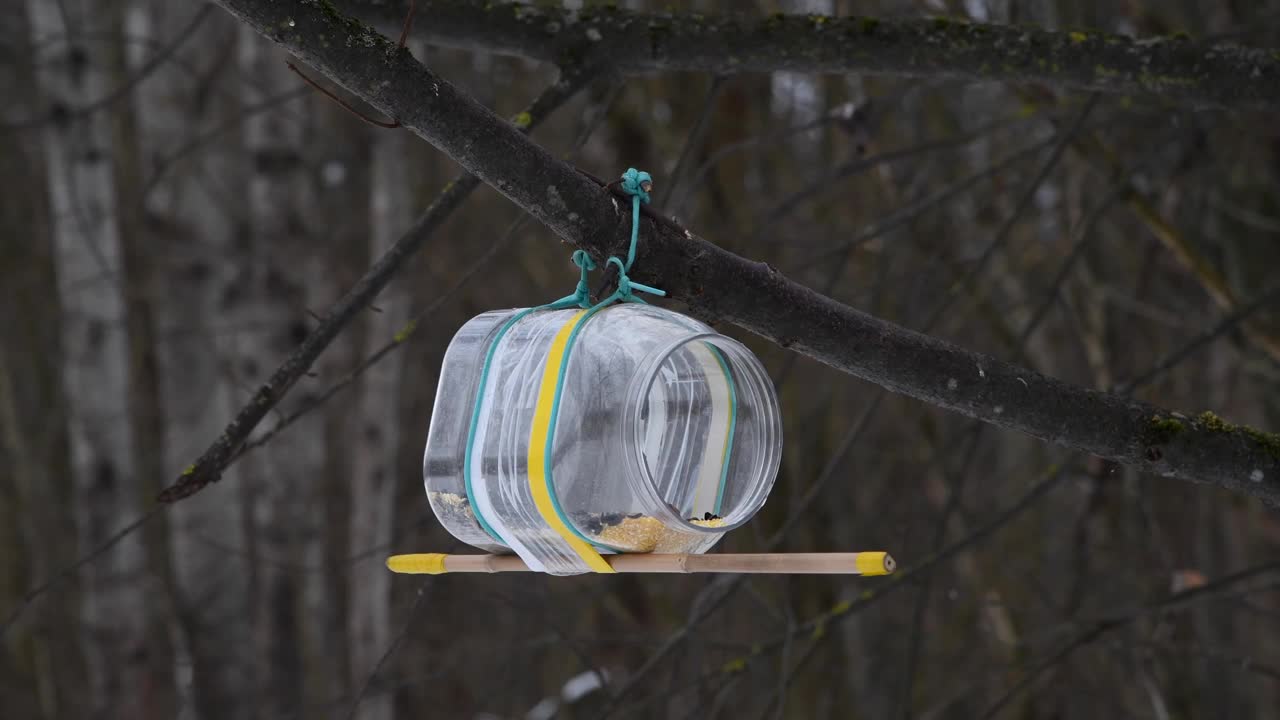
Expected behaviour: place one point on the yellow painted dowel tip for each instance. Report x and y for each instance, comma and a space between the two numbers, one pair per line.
419, 564
875, 563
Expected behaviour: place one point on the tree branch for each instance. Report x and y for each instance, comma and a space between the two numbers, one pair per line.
224, 451
1176, 68
718, 284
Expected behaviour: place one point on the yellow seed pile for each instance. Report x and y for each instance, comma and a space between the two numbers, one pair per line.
647, 534
451, 504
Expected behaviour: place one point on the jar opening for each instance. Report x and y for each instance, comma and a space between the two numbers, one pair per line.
702, 431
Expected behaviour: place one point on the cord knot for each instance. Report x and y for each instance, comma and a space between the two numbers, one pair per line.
582, 293
638, 183
583, 260
626, 287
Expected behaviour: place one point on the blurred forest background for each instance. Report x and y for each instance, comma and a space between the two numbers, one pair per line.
179, 208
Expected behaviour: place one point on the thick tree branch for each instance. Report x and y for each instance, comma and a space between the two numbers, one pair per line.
1176, 68
752, 295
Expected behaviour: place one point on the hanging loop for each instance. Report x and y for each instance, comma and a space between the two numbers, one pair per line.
582, 294
637, 184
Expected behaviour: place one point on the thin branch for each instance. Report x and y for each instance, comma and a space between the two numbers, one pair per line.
393, 124
415, 322
340, 102
1176, 69
404, 334
859, 165
1024, 201
408, 23
164, 164
693, 141
135, 78
1115, 620
70, 571
911, 212
211, 464
773, 136
1226, 325
391, 649
1183, 250
820, 625
915, 641
1042, 667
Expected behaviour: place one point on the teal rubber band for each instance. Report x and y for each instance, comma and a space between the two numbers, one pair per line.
733, 425
561, 304
551, 432
475, 422
482, 386
635, 183
635, 230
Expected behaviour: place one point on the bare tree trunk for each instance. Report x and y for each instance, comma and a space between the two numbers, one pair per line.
275, 272
43, 668
378, 437
139, 272
95, 364
184, 232
340, 243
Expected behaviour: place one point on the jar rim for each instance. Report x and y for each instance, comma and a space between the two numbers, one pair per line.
638, 473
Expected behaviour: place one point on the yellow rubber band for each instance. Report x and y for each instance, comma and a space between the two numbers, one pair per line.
538, 481
421, 564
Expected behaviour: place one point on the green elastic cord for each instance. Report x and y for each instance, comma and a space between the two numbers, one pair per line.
637, 184
581, 296
475, 421
551, 432
480, 392
733, 425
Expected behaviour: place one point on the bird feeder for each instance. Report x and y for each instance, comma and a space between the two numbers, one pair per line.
573, 434
651, 433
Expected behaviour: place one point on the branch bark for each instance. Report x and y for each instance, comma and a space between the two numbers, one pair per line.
716, 283
1176, 68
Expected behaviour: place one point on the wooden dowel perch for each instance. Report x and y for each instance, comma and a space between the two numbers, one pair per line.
863, 563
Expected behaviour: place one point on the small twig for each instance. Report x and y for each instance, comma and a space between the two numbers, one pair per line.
460, 183
148, 68
465, 182
395, 123
1226, 325
163, 165
404, 631
208, 468
69, 571
1113, 621
343, 103
911, 212
916, 639
408, 23
693, 141
1064, 138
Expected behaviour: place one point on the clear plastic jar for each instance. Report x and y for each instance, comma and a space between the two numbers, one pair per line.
665, 435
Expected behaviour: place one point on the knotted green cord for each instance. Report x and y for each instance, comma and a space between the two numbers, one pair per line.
637, 184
